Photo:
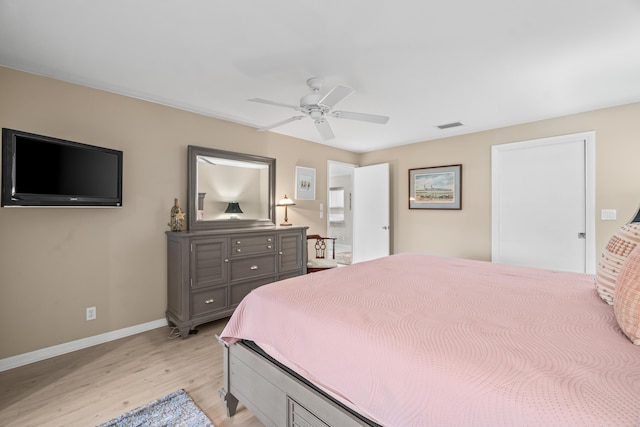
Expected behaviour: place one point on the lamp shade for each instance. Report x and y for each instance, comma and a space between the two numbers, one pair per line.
233, 207
285, 202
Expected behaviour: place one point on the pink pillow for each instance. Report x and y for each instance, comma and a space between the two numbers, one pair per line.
626, 301
614, 255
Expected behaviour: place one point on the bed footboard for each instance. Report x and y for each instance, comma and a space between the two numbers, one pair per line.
276, 397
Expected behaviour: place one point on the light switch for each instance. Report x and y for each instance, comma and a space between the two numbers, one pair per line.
608, 214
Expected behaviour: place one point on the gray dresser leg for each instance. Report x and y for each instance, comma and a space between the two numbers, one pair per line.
184, 332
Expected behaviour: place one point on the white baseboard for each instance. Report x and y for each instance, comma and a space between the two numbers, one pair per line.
57, 350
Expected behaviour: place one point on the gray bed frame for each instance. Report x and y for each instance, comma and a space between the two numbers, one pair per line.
276, 396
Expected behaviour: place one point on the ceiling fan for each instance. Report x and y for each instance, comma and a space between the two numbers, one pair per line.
320, 107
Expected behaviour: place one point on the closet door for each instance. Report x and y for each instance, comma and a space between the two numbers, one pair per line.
543, 203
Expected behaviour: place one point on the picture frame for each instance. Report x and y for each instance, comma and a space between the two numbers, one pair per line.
305, 183
438, 187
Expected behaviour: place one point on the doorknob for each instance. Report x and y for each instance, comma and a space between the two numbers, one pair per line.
582, 235
385, 227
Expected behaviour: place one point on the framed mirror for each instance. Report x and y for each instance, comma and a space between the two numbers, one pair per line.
229, 190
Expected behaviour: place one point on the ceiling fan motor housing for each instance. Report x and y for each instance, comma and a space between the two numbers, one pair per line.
309, 105
310, 100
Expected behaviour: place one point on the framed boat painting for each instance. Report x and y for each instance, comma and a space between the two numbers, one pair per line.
437, 187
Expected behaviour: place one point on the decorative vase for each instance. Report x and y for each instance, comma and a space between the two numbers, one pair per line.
176, 222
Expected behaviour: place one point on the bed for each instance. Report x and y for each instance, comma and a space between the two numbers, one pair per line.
415, 340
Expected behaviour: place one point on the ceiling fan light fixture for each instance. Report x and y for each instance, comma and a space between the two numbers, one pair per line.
316, 114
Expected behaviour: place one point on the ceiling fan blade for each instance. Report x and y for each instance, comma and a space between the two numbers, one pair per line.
364, 117
336, 95
325, 130
278, 104
284, 122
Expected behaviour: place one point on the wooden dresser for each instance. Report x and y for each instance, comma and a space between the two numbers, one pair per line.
209, 272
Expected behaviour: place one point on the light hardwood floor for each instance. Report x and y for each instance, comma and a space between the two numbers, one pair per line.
91, 386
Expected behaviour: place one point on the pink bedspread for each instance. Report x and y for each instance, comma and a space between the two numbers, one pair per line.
415, 340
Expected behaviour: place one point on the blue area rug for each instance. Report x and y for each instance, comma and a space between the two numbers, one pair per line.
175, 409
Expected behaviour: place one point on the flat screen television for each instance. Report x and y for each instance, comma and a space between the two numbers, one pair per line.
44, 171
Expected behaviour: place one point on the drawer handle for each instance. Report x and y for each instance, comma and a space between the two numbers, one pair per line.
280, 253
269, 246
209, 301
254, 267
269, 239
238, 250
226, 260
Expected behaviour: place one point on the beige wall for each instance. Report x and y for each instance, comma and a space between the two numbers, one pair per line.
467, 233
55, 262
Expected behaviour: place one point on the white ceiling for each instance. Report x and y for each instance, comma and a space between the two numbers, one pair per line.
487, 64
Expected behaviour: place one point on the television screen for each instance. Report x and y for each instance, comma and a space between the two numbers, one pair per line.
44, 171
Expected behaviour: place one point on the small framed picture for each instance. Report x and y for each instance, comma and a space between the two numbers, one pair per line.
436, 187
305, 183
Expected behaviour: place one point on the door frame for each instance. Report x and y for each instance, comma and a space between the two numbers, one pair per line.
335, 163
590, 189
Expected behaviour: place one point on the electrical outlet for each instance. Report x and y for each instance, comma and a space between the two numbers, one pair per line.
91, 313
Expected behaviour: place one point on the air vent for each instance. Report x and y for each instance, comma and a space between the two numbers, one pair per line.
450, 125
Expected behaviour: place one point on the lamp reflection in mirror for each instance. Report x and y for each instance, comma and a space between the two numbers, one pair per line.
233, 208
201, 205
286, 202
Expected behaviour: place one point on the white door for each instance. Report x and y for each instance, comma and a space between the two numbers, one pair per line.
543, 203
371, 212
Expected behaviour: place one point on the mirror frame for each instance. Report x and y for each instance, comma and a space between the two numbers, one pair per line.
192, 174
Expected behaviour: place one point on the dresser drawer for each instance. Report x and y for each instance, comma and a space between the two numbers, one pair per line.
247, 245
253, 267
207, 302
